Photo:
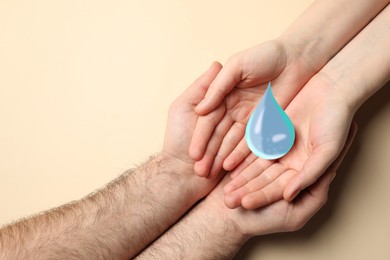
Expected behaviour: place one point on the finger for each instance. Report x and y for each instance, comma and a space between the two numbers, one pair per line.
269, 194
313, 168
229, 142
243, 165
233, 200
321, 159
266, 177
197, 90
226, 80
202, 167
237, 155
260, 180
203, 131
252, 171
216, 166
309, 202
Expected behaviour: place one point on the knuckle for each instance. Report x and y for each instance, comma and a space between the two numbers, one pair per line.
267, 177
232, 138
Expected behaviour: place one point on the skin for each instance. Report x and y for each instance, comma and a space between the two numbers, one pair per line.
213, 231
125, 216
210, 231
321, 119
289, 62
321, 112
122, 218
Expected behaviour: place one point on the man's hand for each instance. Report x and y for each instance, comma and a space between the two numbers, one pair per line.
213, 231
119, 220
180, 128
279, 216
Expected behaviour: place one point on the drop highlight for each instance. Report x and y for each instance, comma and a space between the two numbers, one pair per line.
269, 133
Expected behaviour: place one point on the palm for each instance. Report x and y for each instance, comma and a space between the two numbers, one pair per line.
321, 122
179, 131
180, 126
280, 216
277, 217
218, 133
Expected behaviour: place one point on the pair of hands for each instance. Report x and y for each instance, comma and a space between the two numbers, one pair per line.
184, 125
320, 113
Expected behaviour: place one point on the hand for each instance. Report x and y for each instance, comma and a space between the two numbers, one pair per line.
280, 216
321, 117
213, 231
180, 127
243, 81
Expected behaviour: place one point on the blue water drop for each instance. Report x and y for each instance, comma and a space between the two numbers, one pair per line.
269, 133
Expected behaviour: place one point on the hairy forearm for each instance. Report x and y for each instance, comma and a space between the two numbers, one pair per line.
325, 27
89, 228
201, 234
115, 222
363, 66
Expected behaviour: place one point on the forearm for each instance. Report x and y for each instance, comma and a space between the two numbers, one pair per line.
116, 222
201, 234
82, 229
325, 27
363, 66
213, 231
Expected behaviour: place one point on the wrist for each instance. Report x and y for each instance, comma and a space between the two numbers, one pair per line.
201, 234
222, 222
175, 180
331, 27
177, 165
215, 208
341, 89
303, 53
354, 87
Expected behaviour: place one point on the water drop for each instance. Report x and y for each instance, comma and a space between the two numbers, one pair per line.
269, 133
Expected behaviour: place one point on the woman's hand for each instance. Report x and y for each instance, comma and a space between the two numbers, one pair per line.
233, 95
322, 119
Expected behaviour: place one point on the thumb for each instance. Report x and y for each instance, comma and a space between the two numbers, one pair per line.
226, 80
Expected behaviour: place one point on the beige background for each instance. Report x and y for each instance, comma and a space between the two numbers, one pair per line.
84, 91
